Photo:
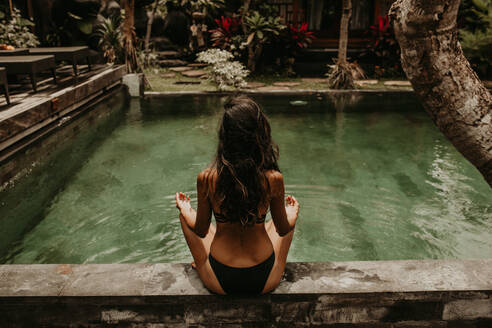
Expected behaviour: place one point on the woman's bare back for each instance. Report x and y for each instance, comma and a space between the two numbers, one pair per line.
233, 244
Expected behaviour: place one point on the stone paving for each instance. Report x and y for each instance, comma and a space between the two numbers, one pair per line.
194, 73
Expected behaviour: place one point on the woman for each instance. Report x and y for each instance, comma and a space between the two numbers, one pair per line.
243, 254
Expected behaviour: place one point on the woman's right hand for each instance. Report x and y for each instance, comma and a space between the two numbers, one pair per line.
291, 207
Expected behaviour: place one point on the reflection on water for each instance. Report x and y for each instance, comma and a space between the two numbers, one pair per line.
375, 179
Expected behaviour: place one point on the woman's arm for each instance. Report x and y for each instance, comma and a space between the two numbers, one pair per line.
284, 213
198, 221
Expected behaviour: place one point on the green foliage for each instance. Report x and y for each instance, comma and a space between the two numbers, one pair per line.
146, 59
205, 6
84, 25
470, 15
15, 32
477, 43
262, 29
110, 40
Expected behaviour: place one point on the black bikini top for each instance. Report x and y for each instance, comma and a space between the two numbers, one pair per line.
222, 219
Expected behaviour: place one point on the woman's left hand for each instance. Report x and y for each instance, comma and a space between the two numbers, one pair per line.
183, 202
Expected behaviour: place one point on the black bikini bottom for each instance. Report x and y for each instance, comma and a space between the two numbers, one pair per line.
250, 280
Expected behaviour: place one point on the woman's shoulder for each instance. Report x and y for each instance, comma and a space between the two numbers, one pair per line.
274, 176
276, 180
206, 176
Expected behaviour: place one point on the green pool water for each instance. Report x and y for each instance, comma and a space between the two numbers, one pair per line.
375, 178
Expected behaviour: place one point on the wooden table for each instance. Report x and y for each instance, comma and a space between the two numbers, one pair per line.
71, 54
15, 52
29, 65
5, 83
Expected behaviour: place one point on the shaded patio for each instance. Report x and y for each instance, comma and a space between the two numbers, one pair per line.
31, 111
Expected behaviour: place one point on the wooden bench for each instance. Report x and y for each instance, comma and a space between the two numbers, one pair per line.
29, 65
15, 52
4, 83
70, 54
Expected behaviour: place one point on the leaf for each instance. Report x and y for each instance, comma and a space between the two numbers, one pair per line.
260, 34
74, 16
2, 15
85, 26
250, 38
480, 4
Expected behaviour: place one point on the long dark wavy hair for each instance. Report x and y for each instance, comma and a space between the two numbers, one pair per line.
245, 152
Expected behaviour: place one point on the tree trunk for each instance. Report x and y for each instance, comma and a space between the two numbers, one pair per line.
149, 26
442, 78
251, 51
344, 25
129, 36
11, 7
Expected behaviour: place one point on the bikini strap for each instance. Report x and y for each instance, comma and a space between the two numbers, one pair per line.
222, 219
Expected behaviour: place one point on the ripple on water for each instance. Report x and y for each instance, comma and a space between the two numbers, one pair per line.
368, 190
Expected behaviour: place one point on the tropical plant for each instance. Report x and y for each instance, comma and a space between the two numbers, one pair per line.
470, 15
110, 40
146, 59
204, 6
224, 35
477, 45
260, 30
300, 37
224, 72
383, 50
15, 32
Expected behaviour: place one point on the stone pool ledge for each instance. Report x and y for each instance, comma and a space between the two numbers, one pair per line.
427, 293
297, 92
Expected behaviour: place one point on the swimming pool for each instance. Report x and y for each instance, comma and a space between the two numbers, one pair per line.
375, 178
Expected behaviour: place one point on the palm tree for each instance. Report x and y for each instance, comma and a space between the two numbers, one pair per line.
340, 76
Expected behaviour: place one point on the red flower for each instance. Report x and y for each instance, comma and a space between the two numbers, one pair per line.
383, 24
301, 36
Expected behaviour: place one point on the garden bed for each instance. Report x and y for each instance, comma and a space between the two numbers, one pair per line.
165, 80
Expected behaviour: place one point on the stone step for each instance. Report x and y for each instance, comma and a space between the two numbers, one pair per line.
197, 65
179, 69
162, 44
194, 73
172, 62
168, 54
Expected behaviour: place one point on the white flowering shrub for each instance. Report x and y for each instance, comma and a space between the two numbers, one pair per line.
229, 74
214, 56
224, 72
15, 32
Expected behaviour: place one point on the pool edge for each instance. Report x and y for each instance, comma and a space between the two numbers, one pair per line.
373, 293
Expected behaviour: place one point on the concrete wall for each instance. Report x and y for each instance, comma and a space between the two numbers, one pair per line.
426, 293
